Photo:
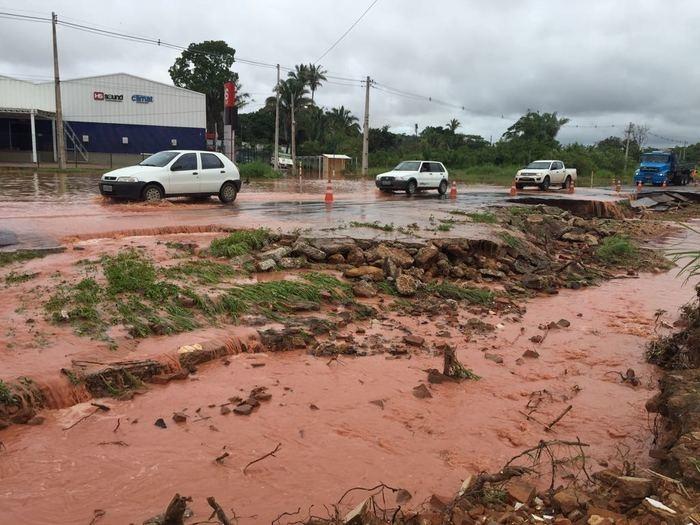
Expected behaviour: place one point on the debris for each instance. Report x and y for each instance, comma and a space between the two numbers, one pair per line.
403, 496
558, 418
224, 410
269, 454
218, 511
421, 391
160, 422
406, 285
313, 407
179, 417
563, 323
414, 340
220, 459
521, 491
532, 354
364, 289
496, 358
243, 409
378, 402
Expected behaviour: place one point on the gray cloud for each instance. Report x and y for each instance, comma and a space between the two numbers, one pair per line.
596, 61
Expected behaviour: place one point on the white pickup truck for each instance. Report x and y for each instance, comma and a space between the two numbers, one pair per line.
545, 173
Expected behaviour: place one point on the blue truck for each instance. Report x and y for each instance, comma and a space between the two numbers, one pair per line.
657, 167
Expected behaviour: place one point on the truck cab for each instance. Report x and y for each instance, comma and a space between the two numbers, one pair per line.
659, 167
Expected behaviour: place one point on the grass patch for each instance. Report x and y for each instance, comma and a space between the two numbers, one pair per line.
617, 250
239, 243
387, 288
510, 240
16, 278
78, 305
6, 396
374, 225
448, 290
20, 256
485, 217
257, 170
208, 272
445, 225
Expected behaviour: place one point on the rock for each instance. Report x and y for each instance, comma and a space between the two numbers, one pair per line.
336, 258
398, 255
569, 500
160, 422
301, 248
179, 417
492, 274
421, 392
186, 301
439, 503
602, 515
587, 238
244, 409
277, 253
534, 282
36, 420
355, 256
521, 491
436, 377
403, 496
374, 273
426, 256
364, 289
466, 485
265, 265
633, 488
292, 263
391, 269
494, 357
532, 354
360, 515
224, 410
4, 424
414, 340
563, 323
333, 246
537, 339
661, 511
406, 285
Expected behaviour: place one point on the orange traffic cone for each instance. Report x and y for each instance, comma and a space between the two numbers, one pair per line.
618, 186
453, 190
572, 187
329, 192
639, 187
664, 184
513, 189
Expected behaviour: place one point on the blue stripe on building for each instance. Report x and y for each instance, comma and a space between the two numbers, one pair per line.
107, 138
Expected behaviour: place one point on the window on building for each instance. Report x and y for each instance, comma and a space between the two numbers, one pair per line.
211, 162
187, 162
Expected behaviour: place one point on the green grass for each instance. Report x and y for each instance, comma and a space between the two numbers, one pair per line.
16, 278
510, 240
78, 305
445, 225
19, 256
450, 290
6, 397
617, 250
485, 217
239, 243
128, 272
208, 272
257, 170
374, 225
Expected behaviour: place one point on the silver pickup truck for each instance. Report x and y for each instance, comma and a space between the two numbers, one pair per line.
545, 173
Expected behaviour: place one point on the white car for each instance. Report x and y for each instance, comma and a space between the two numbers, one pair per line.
545, 173
413, 175
175, 173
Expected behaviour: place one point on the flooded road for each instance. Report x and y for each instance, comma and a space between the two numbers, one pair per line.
333, 435
42, 209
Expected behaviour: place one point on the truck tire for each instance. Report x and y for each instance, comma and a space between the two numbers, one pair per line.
519, 186
567, 183
544, 186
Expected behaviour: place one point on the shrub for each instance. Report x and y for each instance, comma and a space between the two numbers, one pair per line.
257, 170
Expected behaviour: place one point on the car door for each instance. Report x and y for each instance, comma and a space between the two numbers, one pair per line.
213, 173
184, 175
558, 177
438, 172
424, 175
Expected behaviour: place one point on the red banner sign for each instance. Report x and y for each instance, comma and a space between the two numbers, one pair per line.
229, 95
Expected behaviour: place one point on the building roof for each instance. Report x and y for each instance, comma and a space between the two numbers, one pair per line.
334, 156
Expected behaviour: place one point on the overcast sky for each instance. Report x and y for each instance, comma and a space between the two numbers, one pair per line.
597, 62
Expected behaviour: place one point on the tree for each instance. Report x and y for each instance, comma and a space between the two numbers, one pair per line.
342, 120
293, 98
205, 67
640, 134
533, 135
453, 124
315, 77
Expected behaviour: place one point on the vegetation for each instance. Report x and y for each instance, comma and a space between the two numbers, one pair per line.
450, 290
257, 170
617, 250
374, 225
208, 272
239, 242
485, 217
6, 397
16, 278
7, 258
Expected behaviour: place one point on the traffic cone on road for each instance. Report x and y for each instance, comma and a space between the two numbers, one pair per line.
664, 184
329, 192
572, 187
453, 190
639, 187
513, 189
618, 186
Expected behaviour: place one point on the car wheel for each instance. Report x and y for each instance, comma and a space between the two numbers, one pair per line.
567, 183
544, 186
152, 193
412, 187
228, 192
519, 186
442, 188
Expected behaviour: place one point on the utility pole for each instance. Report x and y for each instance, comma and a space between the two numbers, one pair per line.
365, 131
628, 134
294, 139
60, 137
277, 121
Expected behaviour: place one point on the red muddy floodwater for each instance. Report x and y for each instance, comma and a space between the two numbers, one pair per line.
120, 462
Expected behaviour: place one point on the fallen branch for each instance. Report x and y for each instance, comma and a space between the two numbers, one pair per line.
218, 511
221, 458
119, 422
532, 418
279, 445
83, 418
119, 443
286, 514
175, 513
566, 411
381, 486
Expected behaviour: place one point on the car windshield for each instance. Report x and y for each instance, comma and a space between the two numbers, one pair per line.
655, 158
407, 166
539, 165
159, 159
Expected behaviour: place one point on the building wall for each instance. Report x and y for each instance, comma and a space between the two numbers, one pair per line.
19, 94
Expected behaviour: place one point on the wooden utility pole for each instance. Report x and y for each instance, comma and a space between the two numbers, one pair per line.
365, 131
277, 121
628, 132
294, 139
60, 137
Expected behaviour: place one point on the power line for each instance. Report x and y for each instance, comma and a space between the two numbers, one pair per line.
346, 32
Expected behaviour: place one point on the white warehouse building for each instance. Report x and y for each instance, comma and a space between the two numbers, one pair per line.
107, 114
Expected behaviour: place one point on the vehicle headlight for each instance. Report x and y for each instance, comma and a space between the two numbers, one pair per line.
127, 179
636, 172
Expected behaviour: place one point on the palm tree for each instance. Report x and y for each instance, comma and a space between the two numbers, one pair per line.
293, 98
453, 124
301, 73
341, 119
316, 75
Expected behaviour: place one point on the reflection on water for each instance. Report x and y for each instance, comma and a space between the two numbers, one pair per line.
48, 187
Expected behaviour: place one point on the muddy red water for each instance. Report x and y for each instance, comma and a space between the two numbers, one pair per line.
52, 475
